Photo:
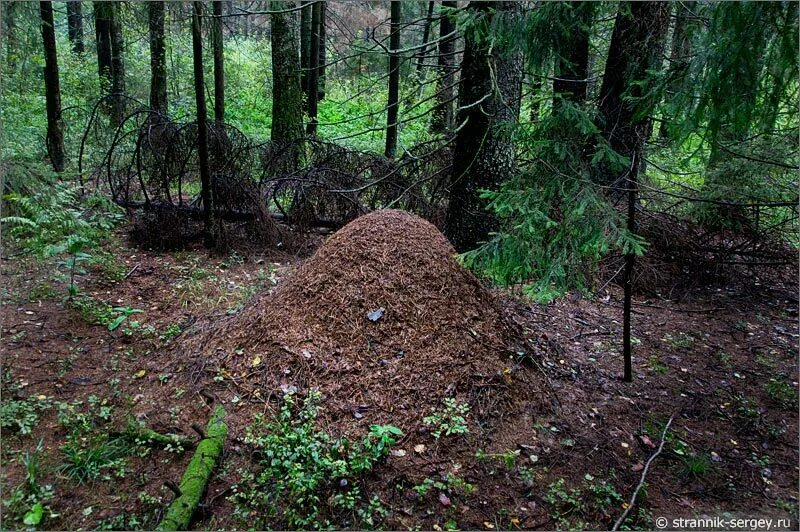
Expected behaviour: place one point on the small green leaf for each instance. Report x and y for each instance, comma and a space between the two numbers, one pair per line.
117, 322
34, 516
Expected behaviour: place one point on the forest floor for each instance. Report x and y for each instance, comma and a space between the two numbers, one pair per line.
720, 361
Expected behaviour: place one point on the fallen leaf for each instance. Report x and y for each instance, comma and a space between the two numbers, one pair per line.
256, 361
625, 445
419, 448
647, 441
398, 452
488, 525
638, 467
141, 373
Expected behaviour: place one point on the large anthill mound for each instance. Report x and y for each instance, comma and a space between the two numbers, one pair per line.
382, 319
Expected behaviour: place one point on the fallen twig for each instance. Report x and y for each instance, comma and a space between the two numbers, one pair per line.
644, 474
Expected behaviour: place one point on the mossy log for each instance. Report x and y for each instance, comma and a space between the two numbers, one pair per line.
195, 479
149, 436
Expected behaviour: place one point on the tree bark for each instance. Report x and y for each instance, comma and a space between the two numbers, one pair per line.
102, 26
287, 93
323, 56
426, 32
219, 66
75, 25
313, 68
680, 52
305, 43
202, 127
52, 88
636, 47
445, 91
489, 100
117, 65
394, 81
158, 57
572, 61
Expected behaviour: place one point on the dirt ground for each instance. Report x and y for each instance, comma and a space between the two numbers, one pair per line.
720, 361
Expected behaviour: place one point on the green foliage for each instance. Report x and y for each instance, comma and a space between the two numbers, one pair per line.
555, 223
782, 392
596, 499
89, 458
20, 415
306, 470
448, 420
26, 503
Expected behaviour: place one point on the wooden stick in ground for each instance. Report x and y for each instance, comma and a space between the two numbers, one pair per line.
195, 479
644, 474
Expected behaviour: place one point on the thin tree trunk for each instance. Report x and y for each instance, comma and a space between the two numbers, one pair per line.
445, 91
425, 36
305, 43
572, 62
484, 157
158, 57
636, 47
287, 93
680, 52
117, 65
52, 88
75, 25
219, 66
323, 56
313, 77
102, 26
394, 81
202, 131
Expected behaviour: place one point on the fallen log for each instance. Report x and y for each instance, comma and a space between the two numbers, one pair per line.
147, 436
195, 479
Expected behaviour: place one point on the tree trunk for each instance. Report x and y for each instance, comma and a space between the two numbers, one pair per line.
219, 66
202, 128
287, 93
426, 32
571, 71
75, 25
102, 27
323, 57
305, 43
158, 58
445, 91
52, 89
489, 100
117, 65
636, 47
680, 52
313, 68
394, 81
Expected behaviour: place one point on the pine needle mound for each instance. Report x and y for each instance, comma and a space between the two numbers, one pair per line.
382, 319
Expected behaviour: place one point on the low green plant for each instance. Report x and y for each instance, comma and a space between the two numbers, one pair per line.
87, 459
781, 392
20, 415
696, 465
170, 331
448, 420
449, 484
26, 503
306, 472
